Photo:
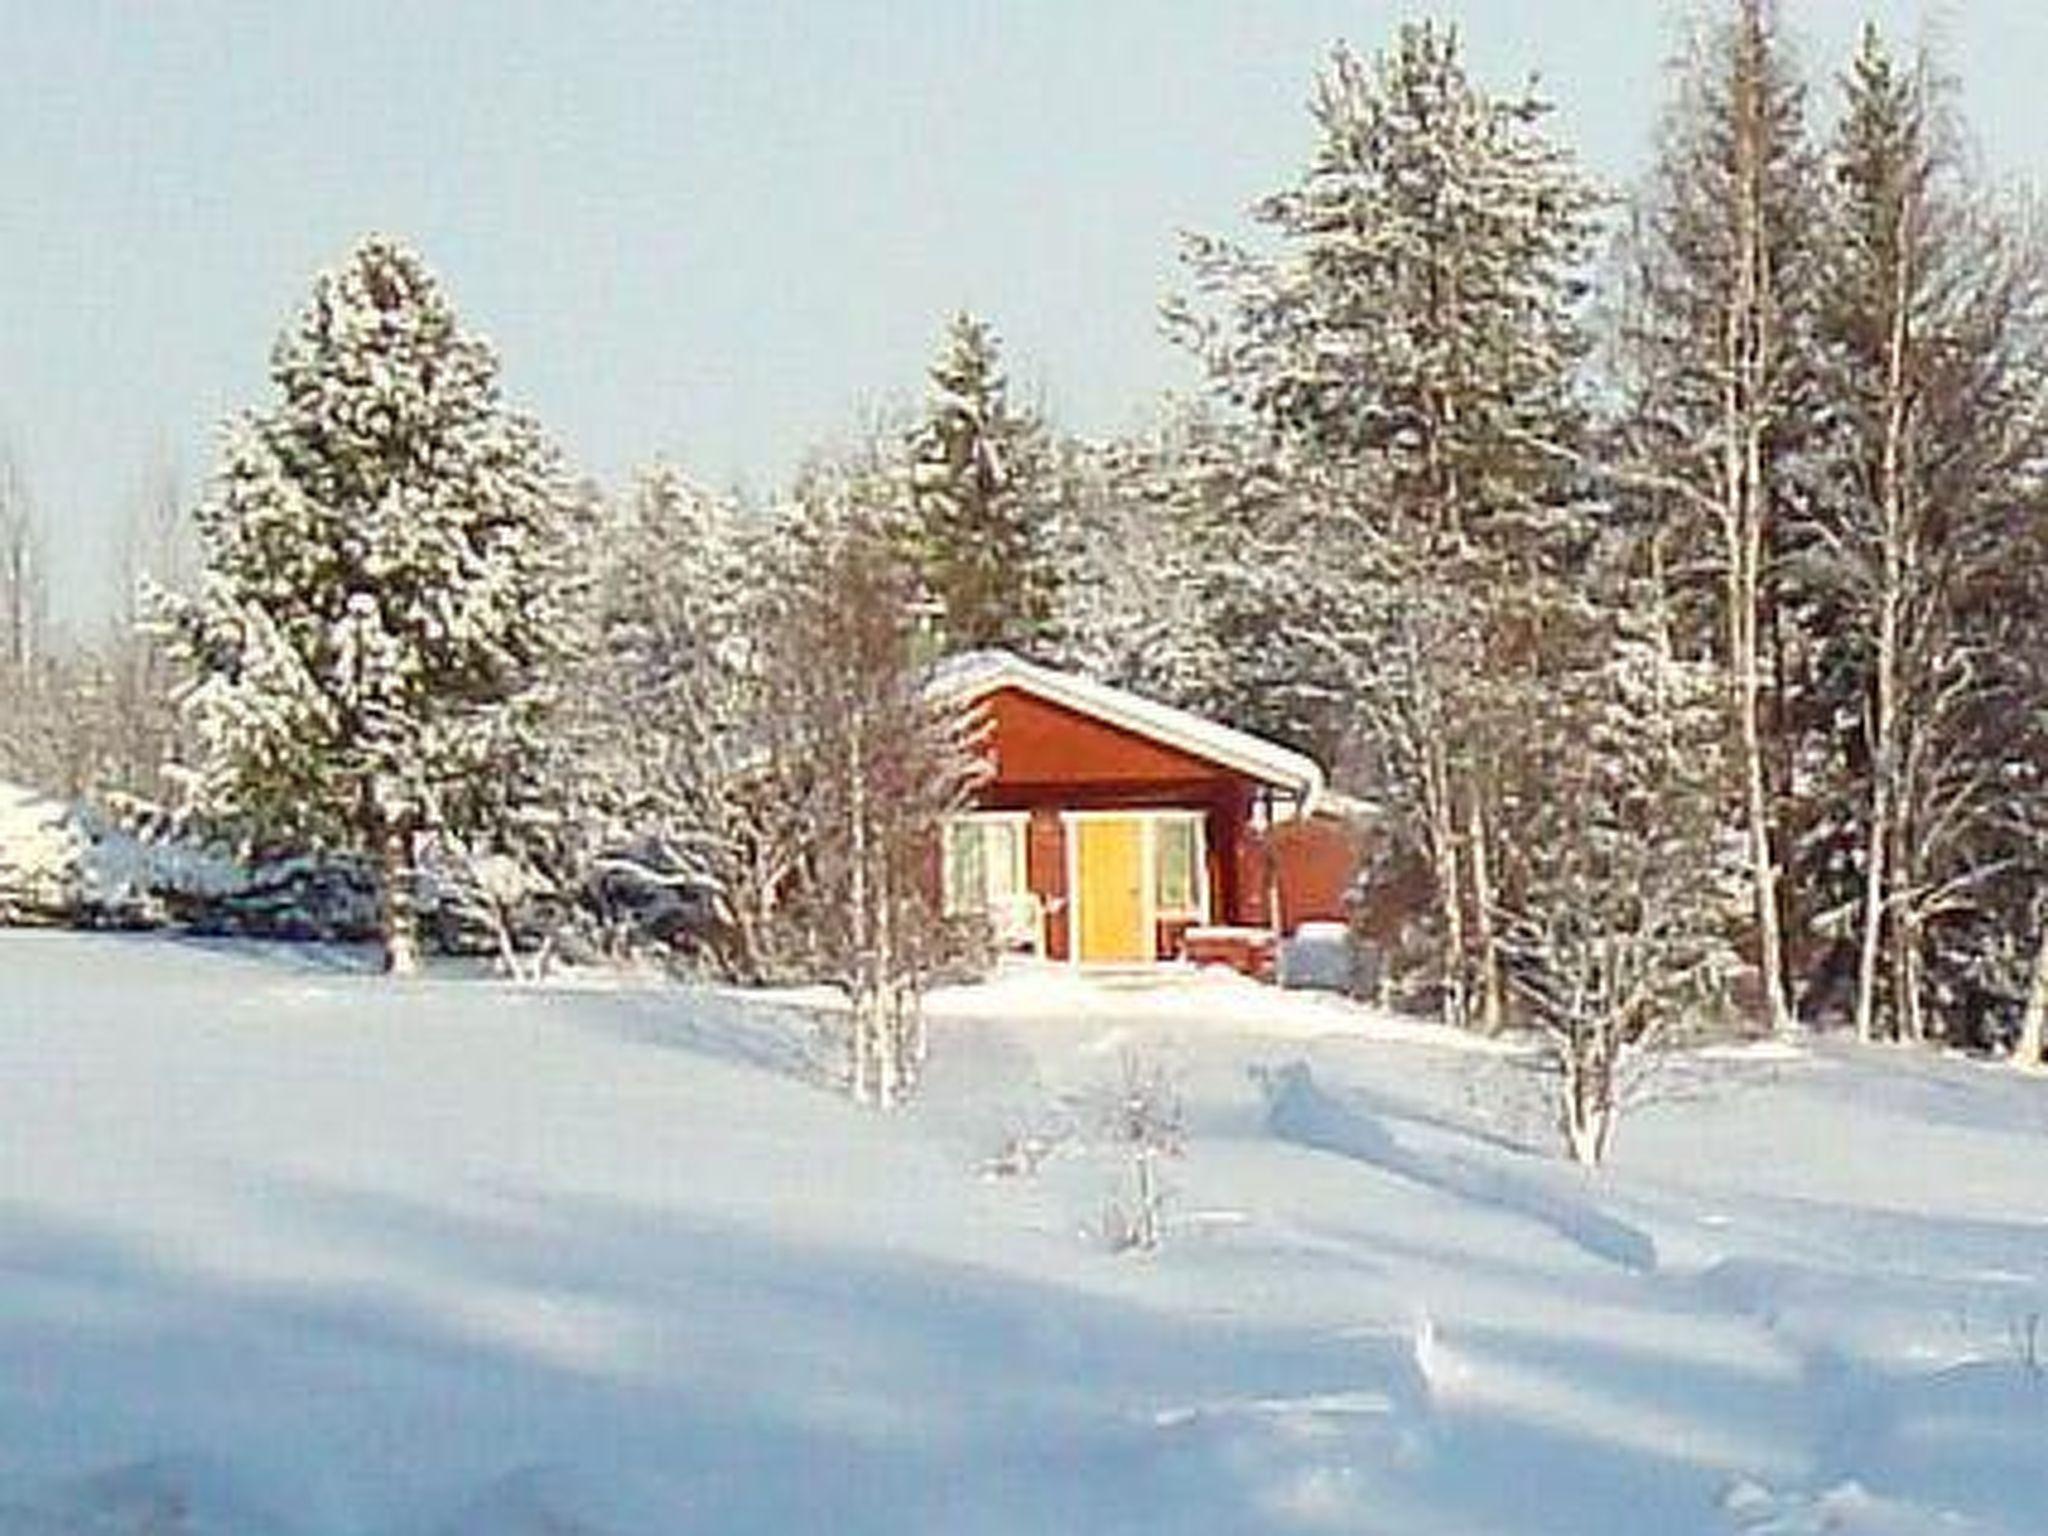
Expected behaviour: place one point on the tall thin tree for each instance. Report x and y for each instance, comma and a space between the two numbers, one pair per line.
1719, 342
1931, 349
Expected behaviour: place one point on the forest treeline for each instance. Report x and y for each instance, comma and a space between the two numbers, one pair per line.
1666, 570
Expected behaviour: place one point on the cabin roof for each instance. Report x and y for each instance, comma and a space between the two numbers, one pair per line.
975, 675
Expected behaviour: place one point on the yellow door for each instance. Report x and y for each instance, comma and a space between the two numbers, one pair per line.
1111, 856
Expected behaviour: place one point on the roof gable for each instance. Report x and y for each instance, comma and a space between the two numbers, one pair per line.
979, 675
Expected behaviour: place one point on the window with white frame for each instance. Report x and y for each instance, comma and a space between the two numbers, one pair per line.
984, 855
1178, 876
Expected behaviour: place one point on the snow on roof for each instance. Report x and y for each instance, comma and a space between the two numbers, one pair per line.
976, 674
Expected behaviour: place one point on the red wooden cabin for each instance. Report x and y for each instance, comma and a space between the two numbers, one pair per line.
1115, 830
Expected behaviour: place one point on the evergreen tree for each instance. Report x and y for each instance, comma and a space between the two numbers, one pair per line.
1422, 312
1410, 355
389, 553
981, 522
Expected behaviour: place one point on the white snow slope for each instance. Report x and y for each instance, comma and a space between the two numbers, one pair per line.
288, 1248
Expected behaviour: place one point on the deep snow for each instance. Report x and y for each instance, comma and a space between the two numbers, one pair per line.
285, 1247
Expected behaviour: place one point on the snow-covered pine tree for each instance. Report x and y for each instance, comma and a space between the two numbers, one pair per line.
1411, 348
389, 550
980, 502
1422, 309
1718, 345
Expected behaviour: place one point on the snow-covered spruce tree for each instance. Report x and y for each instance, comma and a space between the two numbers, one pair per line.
1932, 349
870, 759
1411, 348
980, 500
1620, 926
1718, 350
388, 553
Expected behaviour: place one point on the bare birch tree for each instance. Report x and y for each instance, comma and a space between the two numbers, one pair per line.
1718, 341
675, 724
885, 761
24, 592
1932, 326
29, 722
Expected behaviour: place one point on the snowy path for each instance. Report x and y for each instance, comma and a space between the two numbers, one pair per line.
285, 1249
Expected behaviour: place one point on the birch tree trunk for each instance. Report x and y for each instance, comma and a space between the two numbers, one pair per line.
1450, 887
1912, 967
1748, 343
1745, 541
1492, 1002
1878, 874
890, 1075
397, 909
2031, 1052
866, 1083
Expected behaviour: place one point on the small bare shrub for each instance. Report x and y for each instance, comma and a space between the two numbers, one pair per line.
1145, 1120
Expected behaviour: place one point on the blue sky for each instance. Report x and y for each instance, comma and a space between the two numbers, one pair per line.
717, 232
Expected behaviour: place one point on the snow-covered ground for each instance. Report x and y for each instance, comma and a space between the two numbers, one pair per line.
288, 1248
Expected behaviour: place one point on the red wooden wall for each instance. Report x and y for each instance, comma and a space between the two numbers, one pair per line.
1048, 759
